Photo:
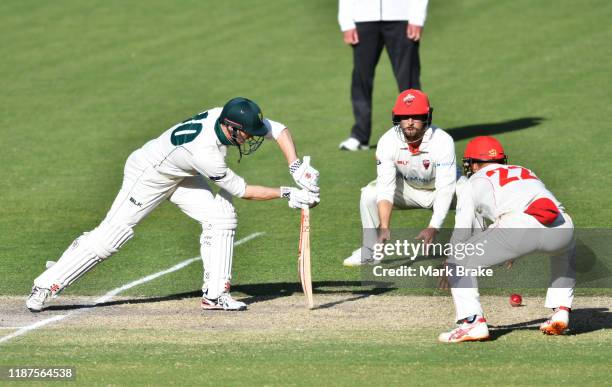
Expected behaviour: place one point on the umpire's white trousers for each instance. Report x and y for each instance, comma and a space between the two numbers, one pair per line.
515, 235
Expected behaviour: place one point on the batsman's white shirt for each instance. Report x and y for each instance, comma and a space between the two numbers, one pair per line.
192, 148
432, 169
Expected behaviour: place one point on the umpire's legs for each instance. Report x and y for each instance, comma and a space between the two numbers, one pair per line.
403, 54
366, 54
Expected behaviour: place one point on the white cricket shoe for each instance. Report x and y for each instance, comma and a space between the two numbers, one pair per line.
558, 322
352, 144
357, 259
37, 299
224, 302
476, 331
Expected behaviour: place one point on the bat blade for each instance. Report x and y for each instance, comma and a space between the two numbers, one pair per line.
304, 258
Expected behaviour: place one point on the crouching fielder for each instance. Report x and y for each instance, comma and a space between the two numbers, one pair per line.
177, 167
416, 168
526, 218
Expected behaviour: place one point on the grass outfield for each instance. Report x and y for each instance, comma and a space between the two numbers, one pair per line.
86, 83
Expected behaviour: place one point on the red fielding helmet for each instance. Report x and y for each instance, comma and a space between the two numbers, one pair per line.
484, 148
411, 102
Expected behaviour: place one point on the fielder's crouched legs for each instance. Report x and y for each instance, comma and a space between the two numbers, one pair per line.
81, 256
369, 221
217, 248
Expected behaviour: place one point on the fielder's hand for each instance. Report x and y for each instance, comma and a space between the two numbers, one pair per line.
427, 235
300, 198
384, 234
443, 283
304, 175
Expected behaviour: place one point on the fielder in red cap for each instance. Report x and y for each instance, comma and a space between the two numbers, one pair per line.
525, 217
416, 168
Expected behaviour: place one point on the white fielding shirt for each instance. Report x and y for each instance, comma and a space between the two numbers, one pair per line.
432, 168
499, 189
192, 148
355, 11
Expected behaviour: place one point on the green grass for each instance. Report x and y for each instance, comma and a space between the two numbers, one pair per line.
86, 83
307, 358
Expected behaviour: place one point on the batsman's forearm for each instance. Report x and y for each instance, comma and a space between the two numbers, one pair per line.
384, 213
285, 143
258, 192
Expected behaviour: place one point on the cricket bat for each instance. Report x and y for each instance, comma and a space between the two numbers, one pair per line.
304, 253
304, 258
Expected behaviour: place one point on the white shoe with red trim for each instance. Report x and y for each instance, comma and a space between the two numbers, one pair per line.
558, 322
224, 302
37, 299
475, 331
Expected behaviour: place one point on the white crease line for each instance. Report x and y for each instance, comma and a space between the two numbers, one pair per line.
108, 296
31, 327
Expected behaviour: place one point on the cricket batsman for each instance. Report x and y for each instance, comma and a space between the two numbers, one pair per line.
416, 168
177, 166
526, 217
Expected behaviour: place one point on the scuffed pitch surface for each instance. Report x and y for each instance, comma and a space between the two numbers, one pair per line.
350, 339
332, 312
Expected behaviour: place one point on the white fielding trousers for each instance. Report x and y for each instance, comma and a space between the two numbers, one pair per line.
515, 235
406, 197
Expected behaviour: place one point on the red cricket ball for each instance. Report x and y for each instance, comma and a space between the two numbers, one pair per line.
516, 299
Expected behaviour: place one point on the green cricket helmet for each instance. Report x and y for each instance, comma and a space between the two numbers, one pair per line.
244, 115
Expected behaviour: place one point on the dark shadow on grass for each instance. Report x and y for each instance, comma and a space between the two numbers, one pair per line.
492, 128
581, 321
255, 293
489, 128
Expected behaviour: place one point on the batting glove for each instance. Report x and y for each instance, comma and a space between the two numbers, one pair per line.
300, 198
304, 175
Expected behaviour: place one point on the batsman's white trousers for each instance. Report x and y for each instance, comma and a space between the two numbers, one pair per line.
512, 236
405, 197
143, 189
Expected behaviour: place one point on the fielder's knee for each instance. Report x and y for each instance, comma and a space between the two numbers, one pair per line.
368, 195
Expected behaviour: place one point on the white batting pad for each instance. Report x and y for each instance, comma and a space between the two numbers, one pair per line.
218, 247
83, 254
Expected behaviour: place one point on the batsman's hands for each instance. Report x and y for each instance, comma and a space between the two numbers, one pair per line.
304, 175
300, 198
